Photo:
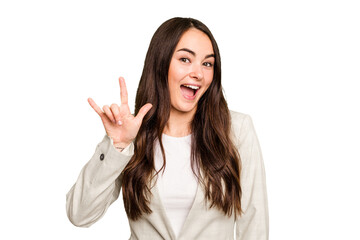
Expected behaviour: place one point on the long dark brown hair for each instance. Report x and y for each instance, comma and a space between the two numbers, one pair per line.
212, 149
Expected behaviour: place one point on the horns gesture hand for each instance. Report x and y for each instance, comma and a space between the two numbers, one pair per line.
120, 125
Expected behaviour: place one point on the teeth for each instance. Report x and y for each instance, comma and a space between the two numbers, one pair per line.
192, 87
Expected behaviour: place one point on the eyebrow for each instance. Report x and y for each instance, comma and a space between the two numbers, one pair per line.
194, 54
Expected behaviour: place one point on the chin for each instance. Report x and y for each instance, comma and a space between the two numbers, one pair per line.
185, 109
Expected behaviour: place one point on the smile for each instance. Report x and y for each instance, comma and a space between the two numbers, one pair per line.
189, 91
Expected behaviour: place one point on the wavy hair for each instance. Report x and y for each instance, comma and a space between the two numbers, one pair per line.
212, 149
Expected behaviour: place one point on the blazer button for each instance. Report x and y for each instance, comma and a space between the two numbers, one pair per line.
102, 157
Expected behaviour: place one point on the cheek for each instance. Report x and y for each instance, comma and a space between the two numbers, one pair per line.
172, 80
176, 71
208, 78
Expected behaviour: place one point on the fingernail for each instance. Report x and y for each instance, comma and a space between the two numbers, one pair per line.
120, 122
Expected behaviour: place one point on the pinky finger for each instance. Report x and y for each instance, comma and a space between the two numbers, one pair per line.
95, 107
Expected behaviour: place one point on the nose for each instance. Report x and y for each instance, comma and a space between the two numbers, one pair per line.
196, 72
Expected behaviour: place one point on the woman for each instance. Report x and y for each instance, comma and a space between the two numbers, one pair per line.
212, 173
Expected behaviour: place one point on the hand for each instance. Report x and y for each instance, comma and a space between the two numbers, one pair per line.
120, 125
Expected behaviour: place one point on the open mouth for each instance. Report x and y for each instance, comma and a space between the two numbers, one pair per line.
189, 91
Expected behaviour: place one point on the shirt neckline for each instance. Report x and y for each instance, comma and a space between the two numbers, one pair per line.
176, 138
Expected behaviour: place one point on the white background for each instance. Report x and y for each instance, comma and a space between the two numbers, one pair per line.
294, 66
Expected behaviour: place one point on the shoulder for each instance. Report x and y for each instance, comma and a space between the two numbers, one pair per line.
240, 124
237, 115
238, 119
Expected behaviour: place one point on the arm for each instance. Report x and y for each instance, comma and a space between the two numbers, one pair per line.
98, 184
254, 223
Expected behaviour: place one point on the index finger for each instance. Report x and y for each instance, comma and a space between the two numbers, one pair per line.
123, 91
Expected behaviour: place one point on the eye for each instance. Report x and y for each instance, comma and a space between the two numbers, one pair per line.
208, 64
184, 60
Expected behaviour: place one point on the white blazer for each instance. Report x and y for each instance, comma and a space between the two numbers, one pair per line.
99, 183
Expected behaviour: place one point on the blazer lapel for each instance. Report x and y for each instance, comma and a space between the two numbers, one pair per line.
194, 210
159, 204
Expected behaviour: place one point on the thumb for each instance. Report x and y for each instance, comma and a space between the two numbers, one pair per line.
143, 111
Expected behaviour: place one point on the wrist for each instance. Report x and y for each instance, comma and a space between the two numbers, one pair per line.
120, 146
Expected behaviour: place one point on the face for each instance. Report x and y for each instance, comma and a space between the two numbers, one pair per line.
191, 70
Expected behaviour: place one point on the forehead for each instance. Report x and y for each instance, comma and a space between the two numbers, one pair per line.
196, 41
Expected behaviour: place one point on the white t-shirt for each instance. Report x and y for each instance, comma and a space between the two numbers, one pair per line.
178, 185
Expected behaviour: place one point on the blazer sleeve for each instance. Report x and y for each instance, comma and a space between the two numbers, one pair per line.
98, 184
254, 222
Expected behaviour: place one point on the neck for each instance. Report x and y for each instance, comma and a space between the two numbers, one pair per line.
179, 123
